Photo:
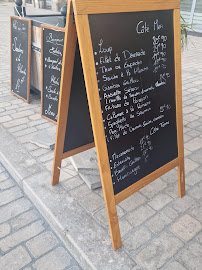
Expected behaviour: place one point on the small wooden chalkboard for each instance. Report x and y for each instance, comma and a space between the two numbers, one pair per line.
52, 43
20, 30
131, 58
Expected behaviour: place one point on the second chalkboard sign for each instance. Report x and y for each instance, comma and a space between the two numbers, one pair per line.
20, 57
51, 57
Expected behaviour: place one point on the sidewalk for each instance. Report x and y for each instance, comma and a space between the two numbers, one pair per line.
158, 229
26, 240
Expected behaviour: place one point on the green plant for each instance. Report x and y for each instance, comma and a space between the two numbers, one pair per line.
184, 28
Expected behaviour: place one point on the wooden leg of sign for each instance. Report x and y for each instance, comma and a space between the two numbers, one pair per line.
65, 89
87, 58
181, 179
178, 90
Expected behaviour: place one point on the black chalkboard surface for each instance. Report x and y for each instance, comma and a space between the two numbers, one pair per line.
52, 54
20, 57
78, 128
134, 61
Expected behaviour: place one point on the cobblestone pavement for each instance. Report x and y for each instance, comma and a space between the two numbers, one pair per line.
159, 230
26, 240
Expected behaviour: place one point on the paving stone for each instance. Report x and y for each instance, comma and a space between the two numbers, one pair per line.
194, 144
16, 122
170, 177
17, 101
24, 219
10, 195
40, 152
5, 118
31, 146
2, 169
74, 268
57, 259
18, 128
189, 109
193, 178
81, 191
72, 183
190, 165
21, 235
199, 169
161, 220
196, 211
4, 229
42, 244
37, 122
21, 162
160, 201
193, 133
23, 114
198, 104
140, 215
191, 257
43, 128
86, 162
92, 202
49, 165
26, 138
199, 238
196, 156
196, 192
175, 266
159, 251
137, 239
182, 204
6, 184
67, 173
186, 227
13, 209
136, 268
47, 157
15, 260
24, 132
125, 227
190, 117
35, 116
4, 176
187, 138
12, 107
198, 112
4, 104
92, 181
153, 188
66, 162
133, 202
44, 139
173, 190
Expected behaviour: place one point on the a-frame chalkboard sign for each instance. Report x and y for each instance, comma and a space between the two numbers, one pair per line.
131, 58
20, 32
52, 43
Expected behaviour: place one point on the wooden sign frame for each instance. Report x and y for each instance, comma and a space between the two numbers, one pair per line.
65, 90
82, 8
52, 28
29, 56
